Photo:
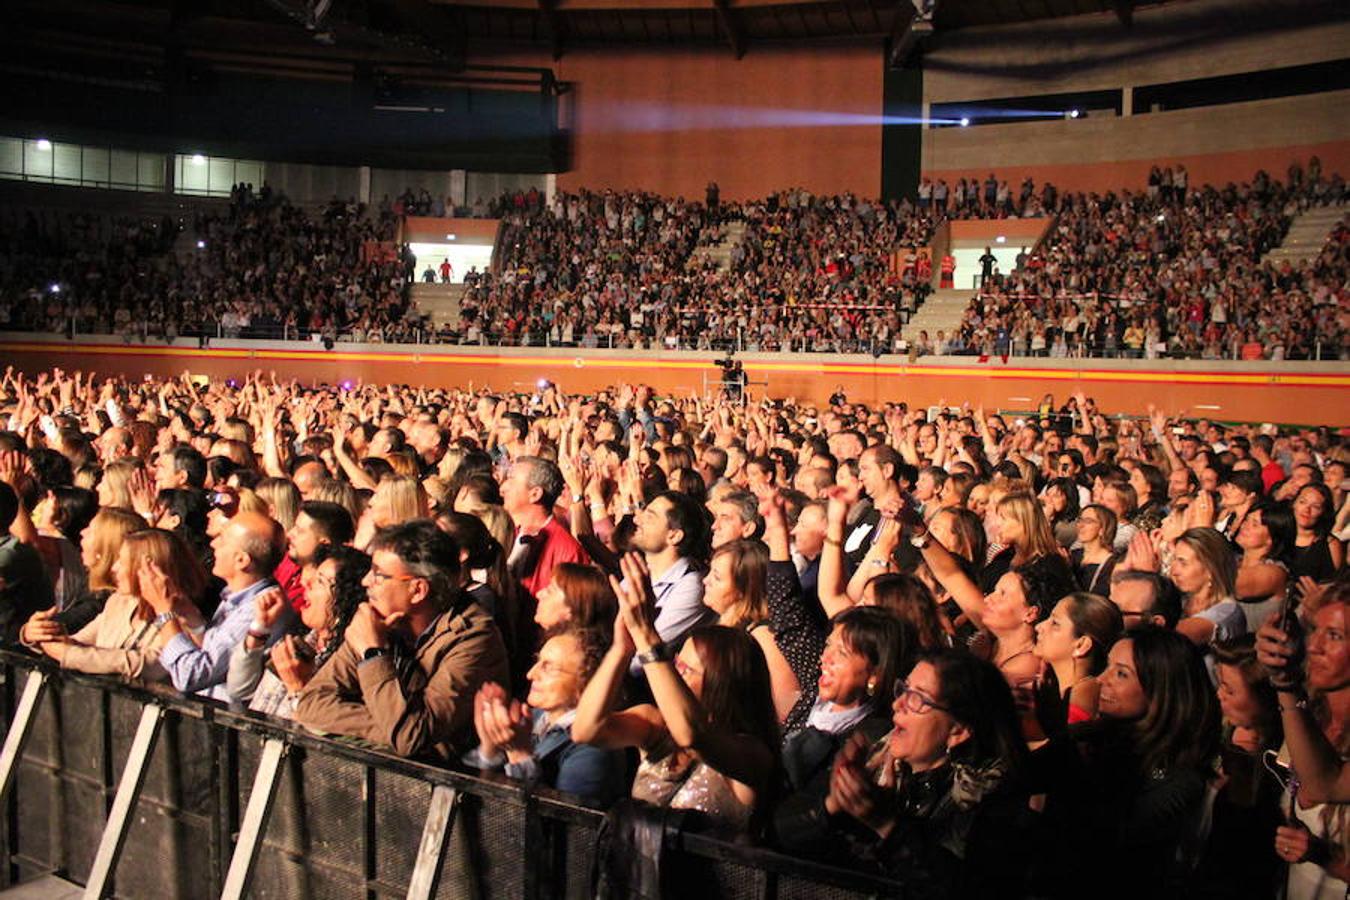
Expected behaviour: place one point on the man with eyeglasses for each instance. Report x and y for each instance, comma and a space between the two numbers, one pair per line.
414, 654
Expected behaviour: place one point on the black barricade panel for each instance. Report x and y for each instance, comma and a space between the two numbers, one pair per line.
346, 823
168, 853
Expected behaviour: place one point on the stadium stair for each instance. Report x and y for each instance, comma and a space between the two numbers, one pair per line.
1307, 235
438, 301
942, 311
721, 251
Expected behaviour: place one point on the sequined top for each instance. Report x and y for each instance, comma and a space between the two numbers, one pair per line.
668, 777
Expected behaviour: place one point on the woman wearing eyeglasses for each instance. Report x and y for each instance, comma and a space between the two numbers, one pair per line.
1123, 793
937, 805
533, 742
1095, 558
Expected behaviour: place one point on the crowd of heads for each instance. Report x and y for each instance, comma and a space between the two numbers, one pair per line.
983, 654
1166, 268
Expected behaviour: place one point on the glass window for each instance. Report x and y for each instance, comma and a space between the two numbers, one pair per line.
37, 160
122, 169
94, 166
66, 163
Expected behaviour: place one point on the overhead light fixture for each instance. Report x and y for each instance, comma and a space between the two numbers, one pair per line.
44, 145
198, 159
449, 237
1001, 239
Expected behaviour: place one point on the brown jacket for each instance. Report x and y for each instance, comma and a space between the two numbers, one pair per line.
426, 708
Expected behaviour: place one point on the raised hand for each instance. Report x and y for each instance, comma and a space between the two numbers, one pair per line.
637, 601
1141, 555
156, 588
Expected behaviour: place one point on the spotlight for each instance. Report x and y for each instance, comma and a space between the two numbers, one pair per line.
965, 121
201, 245
1073, 114
1001, 239
449, 237
231, 383
43, 144
347, 385
198, 159
54, 288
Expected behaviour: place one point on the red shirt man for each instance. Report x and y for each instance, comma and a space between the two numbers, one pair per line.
529, 492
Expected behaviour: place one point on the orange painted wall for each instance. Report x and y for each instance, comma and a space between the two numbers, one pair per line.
1211, 168
669, 121
1251, 395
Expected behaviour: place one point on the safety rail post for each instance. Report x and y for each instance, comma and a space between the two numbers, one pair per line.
124, 803
20, 728
254, 824
440, 820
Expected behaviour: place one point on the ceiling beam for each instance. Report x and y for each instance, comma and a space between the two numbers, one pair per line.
731, 28
903, 39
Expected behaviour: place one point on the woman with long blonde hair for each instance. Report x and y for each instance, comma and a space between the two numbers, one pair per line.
125, 639
282, 498
114, 488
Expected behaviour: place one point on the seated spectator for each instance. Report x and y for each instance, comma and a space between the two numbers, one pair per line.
127, 638
533, 742
413, 654
246, 553
270, 682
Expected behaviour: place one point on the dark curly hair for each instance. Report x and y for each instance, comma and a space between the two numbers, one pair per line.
348, 593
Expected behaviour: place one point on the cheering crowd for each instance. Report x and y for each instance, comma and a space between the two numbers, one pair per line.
985, 656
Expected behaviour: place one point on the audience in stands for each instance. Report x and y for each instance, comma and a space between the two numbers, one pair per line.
1164, 269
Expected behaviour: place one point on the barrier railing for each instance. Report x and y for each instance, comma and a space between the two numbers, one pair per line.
143, 792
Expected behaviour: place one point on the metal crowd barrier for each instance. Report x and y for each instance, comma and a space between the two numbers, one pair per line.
142, 792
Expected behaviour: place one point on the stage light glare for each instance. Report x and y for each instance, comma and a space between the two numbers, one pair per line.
201, 245
44, 145
965, 121
198, 159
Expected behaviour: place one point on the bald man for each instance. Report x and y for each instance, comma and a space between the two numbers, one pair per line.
308, 476
246, 553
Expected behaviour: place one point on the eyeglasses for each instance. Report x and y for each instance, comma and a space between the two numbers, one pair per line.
915, 701
550, 669
380, 577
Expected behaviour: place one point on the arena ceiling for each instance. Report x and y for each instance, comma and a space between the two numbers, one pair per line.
451, 30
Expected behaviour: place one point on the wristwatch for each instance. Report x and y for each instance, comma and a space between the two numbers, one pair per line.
165, 618
658, 653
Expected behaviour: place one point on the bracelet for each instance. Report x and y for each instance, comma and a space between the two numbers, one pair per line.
833, 542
